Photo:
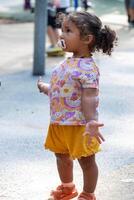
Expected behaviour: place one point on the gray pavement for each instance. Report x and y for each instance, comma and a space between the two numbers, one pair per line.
26, 170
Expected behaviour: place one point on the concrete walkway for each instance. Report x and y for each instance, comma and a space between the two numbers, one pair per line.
26, 170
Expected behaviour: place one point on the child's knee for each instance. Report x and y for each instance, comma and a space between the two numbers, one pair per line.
64, 159
87, 162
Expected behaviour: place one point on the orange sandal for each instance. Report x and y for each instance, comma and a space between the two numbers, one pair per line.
63, 193
86, 196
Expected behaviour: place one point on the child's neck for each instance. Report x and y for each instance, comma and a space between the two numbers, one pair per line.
82, 55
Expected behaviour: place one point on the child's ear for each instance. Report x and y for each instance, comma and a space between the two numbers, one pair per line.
89, 39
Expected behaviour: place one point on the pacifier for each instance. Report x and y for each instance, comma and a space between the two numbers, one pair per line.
61, 44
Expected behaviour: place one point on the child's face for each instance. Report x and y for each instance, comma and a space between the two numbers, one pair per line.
71, 35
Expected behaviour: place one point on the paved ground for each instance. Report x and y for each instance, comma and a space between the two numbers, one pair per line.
26, 170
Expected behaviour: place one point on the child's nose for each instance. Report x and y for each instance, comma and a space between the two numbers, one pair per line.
61, 35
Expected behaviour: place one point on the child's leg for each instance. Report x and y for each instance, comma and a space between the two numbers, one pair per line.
67, 189
65, 167
90, 173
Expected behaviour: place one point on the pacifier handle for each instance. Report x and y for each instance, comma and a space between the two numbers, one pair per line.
61, 43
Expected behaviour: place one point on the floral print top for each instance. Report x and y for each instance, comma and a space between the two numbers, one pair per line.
66, 84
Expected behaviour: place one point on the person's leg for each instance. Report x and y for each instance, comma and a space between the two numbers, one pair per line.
90, 173
54, 49
52, 35
85, 5
131, 11
27, 4
65, 167
127, 2
52, 31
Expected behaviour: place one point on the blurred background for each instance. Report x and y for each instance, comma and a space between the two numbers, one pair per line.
13, 9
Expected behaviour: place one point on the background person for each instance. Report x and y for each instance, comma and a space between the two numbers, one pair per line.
127, 9
54, 7
131, 11
27, 5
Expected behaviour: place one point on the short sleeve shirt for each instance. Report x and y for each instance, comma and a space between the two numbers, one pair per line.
66, 84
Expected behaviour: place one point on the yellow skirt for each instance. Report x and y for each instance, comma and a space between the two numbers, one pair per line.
66, 139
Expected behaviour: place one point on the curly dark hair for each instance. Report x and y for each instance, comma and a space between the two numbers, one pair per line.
104, 37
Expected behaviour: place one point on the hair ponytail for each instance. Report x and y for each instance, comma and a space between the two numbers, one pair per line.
105, 40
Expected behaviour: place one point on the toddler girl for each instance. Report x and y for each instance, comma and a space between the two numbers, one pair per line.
74, 130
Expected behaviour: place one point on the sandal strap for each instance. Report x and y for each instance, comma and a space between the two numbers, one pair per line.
64, 193
86, 196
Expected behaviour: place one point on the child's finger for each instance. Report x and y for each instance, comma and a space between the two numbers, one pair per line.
98, 139
89, 138
100, 124
102, 138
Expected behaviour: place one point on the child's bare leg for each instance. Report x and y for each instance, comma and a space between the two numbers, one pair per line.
65, 167
90, 173
67, 189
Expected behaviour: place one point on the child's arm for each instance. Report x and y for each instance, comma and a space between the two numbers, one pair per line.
89, 108
43, 87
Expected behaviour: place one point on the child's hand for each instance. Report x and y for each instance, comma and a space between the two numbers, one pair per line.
92, 128
40, 84
43, 87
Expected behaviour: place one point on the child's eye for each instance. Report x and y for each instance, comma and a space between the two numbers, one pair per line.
68, 30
